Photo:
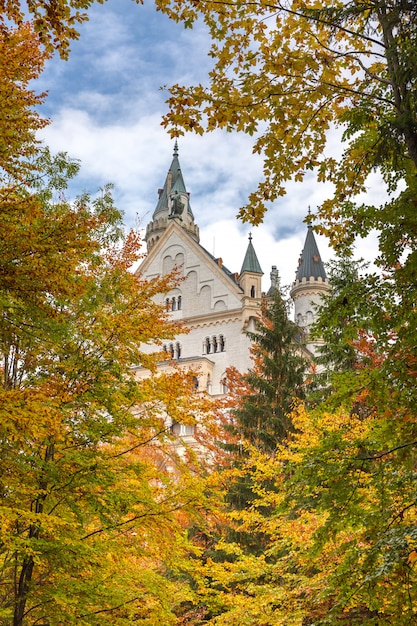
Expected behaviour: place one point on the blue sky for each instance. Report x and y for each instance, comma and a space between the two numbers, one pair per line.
106, 105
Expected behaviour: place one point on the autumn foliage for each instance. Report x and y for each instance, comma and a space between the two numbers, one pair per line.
95, 497
104, 518
92, 510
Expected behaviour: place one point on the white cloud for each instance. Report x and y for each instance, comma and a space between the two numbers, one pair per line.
106, 106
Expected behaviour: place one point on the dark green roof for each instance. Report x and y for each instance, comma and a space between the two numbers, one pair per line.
250, 262
310, 264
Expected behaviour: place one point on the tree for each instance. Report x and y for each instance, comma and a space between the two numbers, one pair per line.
55, 22
21, 62
336, 505
356, 302
95, 499
93, 516
325, 531
261, 402
288, 73
275, 380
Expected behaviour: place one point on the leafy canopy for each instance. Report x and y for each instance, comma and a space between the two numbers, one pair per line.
55, 21
290, 72
95, 499
92, 514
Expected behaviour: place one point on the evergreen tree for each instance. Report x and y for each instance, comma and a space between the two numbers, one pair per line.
261, 417
355, 305
339, 314
275, 380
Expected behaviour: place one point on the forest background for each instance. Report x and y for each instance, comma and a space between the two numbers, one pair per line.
102, 522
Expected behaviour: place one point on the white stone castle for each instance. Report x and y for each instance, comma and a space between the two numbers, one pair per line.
215, 304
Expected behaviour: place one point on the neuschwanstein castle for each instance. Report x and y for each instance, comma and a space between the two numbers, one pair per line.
215, 304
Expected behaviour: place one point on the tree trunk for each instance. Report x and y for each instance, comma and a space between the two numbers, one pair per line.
28, 564
22, 591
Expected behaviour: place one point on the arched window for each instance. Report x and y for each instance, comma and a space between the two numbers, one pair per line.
195, 382
252, 291
171, 350
178, 349
167, 304
179, 303
222, 343
223, 385
174, 304
214, 343
208, 345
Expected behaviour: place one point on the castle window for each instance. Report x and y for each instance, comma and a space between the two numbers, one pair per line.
179, 303
178, 349
174, 304
171, 350
223, 385
252, 291
216, 343
167, 304
195, 382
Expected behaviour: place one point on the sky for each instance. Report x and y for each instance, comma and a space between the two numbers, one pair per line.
106, 104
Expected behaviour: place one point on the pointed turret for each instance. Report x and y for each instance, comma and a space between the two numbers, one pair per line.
250, 262
310, 284
173, 204
310, 264
251, 272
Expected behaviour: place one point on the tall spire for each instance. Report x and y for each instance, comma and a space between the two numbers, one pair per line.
174, 184
173, 205
250, 277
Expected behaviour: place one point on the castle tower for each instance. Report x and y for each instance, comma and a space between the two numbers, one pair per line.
309, 286
250, 281
251, 273
210, 301
173, 204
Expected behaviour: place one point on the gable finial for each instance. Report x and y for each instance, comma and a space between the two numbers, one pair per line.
175, 149
250, 236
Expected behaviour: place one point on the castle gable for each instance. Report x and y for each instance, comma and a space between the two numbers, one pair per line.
206, 286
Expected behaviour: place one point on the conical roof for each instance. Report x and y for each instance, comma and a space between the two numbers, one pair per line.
174, 182
310, 263
250, 262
